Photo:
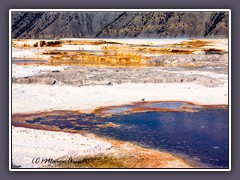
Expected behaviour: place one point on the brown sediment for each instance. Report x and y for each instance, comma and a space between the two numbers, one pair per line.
213, 51
139, 110
22, 123
86, 58
116, 54
185, 47
194, 43
20, 120
148, 158
128, 155
218, 106
109, 124
24, 43
124, 155
137, 107
41, 113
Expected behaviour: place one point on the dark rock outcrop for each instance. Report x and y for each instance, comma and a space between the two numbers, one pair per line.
119, 24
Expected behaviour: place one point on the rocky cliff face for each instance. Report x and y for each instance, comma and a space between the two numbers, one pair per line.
119, 24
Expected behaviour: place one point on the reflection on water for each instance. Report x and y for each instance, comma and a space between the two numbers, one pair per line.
200, 135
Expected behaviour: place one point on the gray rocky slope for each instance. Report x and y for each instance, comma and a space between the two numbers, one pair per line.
119, 24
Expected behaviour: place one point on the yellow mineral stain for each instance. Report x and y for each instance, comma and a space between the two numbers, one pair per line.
112, 54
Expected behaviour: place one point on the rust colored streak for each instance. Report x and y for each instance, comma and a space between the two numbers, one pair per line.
113, 54
45, 127
139, 110
219, 106
142, 107
45, 113
20, 120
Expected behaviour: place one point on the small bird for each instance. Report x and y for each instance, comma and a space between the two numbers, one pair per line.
109, 84
143, 99
54, 82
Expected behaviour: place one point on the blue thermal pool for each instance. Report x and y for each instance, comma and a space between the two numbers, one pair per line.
199, 136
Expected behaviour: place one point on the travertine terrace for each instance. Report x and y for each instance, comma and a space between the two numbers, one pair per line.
88, 74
